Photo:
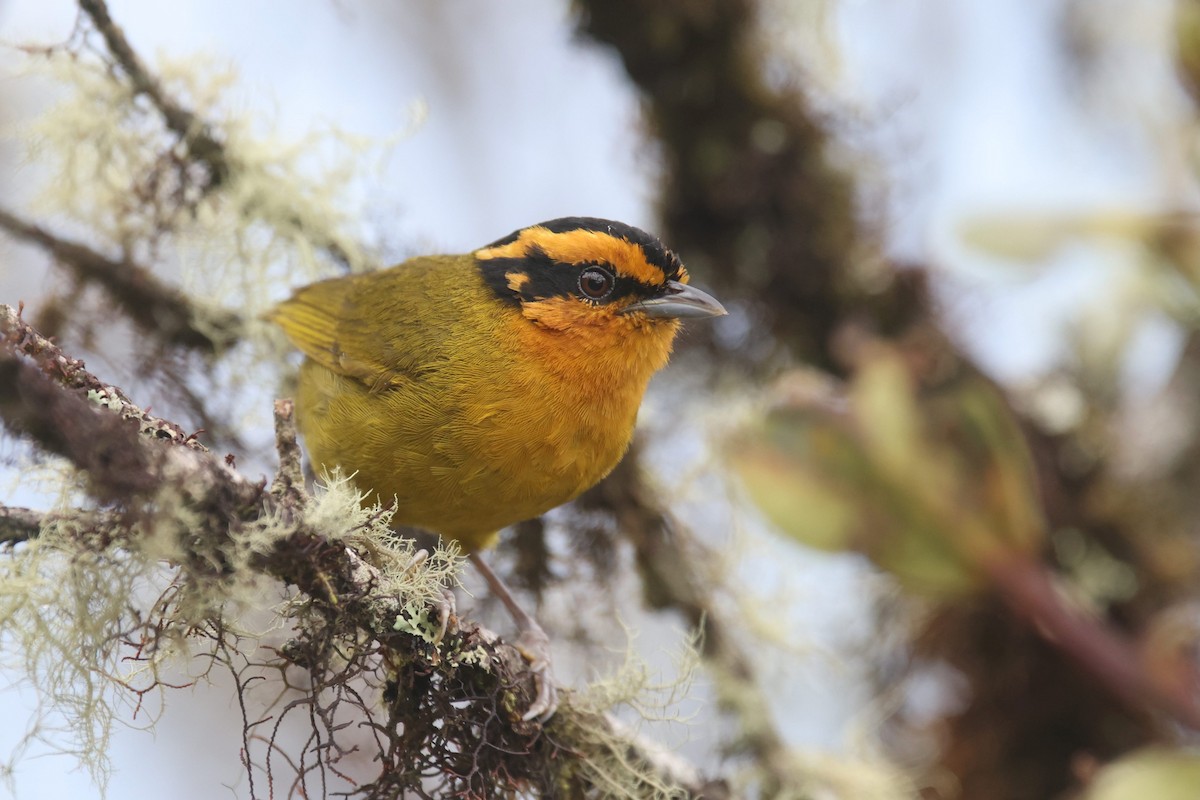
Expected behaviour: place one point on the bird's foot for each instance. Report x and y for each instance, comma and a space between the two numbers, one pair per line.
446, 608
534, 646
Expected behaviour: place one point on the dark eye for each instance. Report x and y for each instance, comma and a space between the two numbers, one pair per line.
596, 283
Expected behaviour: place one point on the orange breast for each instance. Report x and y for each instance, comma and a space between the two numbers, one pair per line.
503, 432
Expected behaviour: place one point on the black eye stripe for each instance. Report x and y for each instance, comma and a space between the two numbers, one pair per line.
546, 278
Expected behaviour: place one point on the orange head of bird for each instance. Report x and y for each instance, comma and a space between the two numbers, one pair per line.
593, 276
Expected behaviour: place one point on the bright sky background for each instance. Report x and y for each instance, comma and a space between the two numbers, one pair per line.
962, 99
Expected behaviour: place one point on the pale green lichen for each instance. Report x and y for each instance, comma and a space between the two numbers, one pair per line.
610, 765
415, 620
104, 399
474, 657
338, 512
284, 213
73, 623
282, 206
71, 626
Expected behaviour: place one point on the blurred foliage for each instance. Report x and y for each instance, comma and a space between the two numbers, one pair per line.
1187, 45
925, 473
1155, 773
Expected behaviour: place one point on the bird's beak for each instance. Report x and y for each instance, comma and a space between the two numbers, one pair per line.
678, 301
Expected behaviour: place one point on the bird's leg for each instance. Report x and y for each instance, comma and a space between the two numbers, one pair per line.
447, 608
533, 644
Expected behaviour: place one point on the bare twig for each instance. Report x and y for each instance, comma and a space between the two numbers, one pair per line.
18, 525
1029, 590
153, 305
195, 133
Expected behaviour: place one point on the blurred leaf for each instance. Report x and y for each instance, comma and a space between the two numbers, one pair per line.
1187, 44
933, 483
882, 397
1156, 773
796, 499
1024, 236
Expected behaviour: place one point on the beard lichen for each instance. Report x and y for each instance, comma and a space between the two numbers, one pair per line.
74, 627
102, 601
94, 607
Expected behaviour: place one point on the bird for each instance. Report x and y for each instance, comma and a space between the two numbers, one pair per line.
474, 391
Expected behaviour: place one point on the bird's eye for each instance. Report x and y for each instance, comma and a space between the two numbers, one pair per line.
596, 283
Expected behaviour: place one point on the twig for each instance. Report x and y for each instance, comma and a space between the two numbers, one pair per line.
668, 764
1029, 590
288, 486
146, 300
18, 525
194, 132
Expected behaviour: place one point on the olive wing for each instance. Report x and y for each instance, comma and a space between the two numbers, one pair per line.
380, 328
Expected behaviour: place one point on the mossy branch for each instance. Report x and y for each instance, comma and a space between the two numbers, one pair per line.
52, 399
203, 145
145, 299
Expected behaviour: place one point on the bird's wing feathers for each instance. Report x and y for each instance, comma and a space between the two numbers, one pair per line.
355, 328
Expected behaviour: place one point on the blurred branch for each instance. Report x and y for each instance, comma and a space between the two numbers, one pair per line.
149, 302
18, 525
25, 524
196, 133
52, 399
669, 558
750, 184
19, 338
1029, 589
750, 189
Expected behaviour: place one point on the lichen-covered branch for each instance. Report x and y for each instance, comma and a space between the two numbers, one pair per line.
474, 680
19, 338
145, 299
203, 144
19, 525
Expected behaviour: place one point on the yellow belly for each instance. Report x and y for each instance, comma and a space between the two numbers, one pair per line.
469, 455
